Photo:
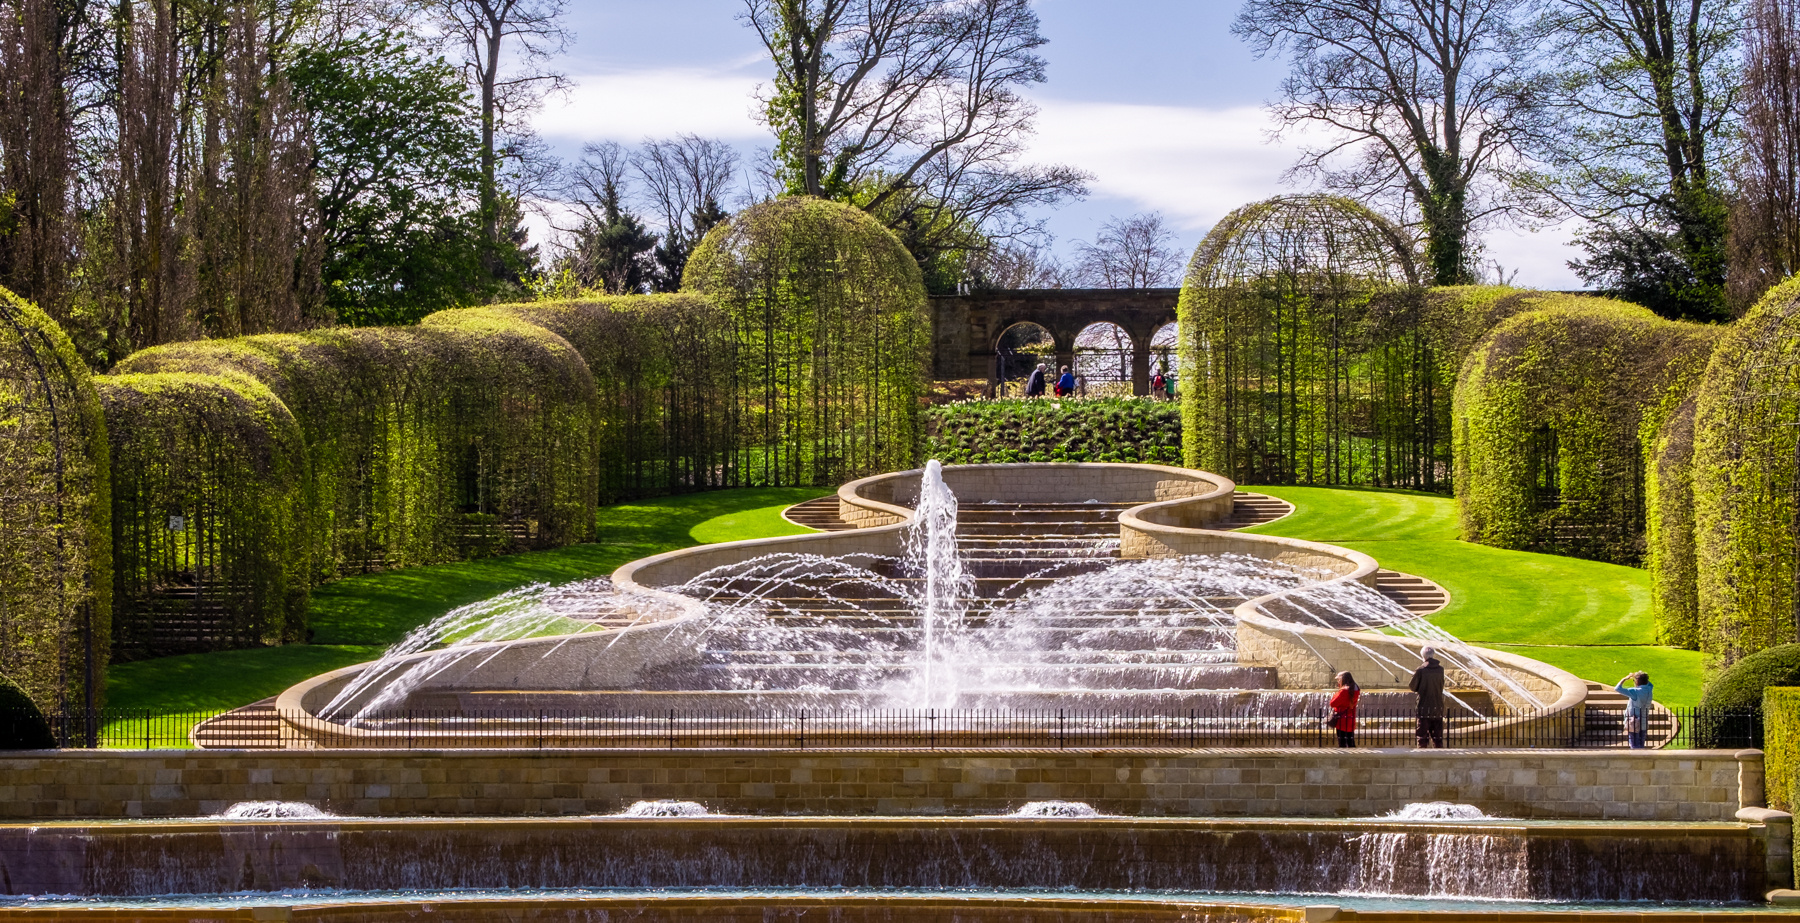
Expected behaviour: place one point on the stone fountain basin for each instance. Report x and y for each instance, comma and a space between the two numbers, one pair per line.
1490, 858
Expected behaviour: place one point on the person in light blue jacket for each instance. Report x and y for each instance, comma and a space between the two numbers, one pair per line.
1637, 708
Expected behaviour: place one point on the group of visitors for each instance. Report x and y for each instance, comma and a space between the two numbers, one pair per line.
1428, 683
1065, 383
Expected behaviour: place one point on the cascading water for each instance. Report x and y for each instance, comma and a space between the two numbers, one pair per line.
1055, 809
265, 810
666, 808
931, 550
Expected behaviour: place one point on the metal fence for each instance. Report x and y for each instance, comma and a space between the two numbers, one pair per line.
917, 729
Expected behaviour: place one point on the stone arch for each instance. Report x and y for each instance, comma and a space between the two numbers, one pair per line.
1018, 349
1103, 354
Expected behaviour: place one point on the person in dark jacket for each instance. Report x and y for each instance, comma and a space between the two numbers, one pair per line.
1034, 386
1428, 682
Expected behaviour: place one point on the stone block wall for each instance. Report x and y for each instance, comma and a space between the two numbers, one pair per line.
1633, 785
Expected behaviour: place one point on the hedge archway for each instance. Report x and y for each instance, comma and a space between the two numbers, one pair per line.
663, 369
833, 338
208, 544
1295, 327
1550, 408
1745, 476
55, 541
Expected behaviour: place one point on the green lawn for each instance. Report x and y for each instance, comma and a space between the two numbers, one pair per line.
355, 618
1586, 617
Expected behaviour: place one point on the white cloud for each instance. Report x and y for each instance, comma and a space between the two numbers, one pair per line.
633, 105
1195, 165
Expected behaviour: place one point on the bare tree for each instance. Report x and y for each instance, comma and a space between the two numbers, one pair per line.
910, 108
504, 45
1017, 264
1765, 222
687, 178
1133, 252
1422, 99
608, 248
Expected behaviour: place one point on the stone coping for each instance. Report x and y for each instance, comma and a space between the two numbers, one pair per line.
1649, 785
862, 908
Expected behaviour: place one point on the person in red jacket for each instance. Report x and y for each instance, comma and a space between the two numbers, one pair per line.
1343, 709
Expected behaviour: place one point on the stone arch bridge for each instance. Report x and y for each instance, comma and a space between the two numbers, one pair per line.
966, 329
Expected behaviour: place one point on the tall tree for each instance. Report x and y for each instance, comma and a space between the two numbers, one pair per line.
1642, 97
610, 249
1422, 101
395, 157
1134, 252
504, 45
686, 179
1765, 219
910, 109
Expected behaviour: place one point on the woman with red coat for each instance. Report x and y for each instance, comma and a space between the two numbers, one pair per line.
1343, 709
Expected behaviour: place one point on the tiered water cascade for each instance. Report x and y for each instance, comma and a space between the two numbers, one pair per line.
1022, 605
1020, 591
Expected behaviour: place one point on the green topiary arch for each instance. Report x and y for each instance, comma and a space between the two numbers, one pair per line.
1299, 333
1745, 479
55, 551
1551, 412
832, 334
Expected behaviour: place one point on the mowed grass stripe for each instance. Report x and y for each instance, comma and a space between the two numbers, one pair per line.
1586, 617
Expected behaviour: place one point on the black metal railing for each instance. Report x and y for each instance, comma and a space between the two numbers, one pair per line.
911, 729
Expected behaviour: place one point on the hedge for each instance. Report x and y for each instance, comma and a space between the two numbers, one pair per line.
1301, 319
22, 722
1549, 410
1042, 430
663, 369
208, 536
1744, 481
833, 337
55, 508
1781, 745
1667, 435
1741, 687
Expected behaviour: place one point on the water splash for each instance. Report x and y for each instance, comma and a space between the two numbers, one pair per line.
536, 610
1056, 809
261, 810
931, 549
666, 808
1437, 810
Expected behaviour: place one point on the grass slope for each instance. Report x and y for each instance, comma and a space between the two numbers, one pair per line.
1586, 617
355, 618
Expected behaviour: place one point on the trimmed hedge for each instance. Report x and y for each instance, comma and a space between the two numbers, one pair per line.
55, 513
1001, 432
1550, 408
22, 723
1667, 435
1744, 481
1781, 745
1741, 686
833, 336
663, 368
1299, 323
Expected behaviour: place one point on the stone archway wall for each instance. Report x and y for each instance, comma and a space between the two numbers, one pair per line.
966, 328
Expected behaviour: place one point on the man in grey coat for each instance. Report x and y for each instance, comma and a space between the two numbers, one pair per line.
1428, 682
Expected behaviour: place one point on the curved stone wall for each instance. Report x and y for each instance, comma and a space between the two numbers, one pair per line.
1182, 503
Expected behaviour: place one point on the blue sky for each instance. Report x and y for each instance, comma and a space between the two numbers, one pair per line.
1155, 97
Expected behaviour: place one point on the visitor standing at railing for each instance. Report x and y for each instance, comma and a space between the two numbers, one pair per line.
1343, 709
1637, 708
1428, 682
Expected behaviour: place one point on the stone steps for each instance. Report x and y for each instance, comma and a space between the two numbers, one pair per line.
253, 727
821, 514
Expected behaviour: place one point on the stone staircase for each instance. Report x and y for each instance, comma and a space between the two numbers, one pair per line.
1604, 725
821, 514
1248, 509
253, 727
1414, 594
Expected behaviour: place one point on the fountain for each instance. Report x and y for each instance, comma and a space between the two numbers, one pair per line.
1053, 598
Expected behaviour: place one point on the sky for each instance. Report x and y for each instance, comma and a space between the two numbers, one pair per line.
1155, 98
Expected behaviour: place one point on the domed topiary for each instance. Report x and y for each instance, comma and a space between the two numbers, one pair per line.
1740, 688
832, 334
22, 725
1297, 331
